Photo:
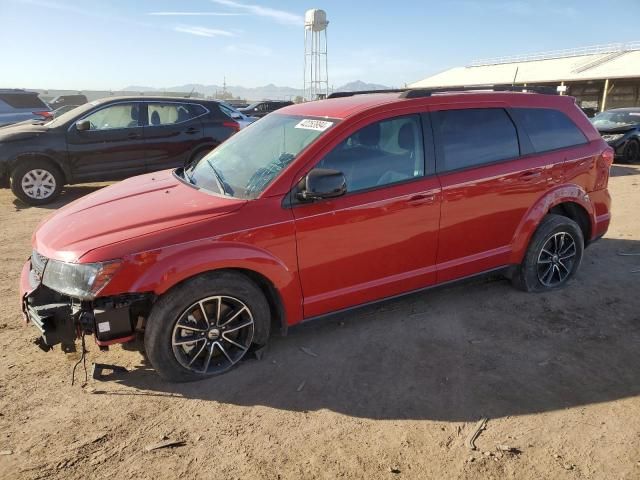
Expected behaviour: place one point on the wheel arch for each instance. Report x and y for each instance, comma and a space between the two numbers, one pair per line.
26, 156
279, 284
571, 201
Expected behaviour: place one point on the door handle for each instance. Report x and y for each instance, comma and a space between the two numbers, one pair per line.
421, 198
191, 130
531, 175
133, 136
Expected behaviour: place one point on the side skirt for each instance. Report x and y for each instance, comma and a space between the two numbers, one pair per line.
503, 270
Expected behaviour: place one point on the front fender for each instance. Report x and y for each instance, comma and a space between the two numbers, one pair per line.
158, 271
533, 217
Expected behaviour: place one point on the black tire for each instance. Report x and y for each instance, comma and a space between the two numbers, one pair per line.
162, 330
42, 169
631, 152
532, 275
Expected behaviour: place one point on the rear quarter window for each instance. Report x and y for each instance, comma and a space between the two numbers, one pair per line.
474, 137
22, 100
548, 129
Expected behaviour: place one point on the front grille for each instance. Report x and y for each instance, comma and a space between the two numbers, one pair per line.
38, 262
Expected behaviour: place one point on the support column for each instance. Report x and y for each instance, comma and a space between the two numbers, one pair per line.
603, 104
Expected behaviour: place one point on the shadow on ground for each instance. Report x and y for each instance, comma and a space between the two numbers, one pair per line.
455, 354
618, 170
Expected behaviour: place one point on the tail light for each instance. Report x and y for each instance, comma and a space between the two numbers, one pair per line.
44, 114
608, 156
234, 125
603, 165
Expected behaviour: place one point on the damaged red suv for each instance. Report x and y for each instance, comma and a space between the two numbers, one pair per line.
320, 207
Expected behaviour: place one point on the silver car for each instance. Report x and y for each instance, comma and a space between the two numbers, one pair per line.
242, 119
19, 105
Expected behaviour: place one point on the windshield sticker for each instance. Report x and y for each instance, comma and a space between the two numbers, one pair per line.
310, 124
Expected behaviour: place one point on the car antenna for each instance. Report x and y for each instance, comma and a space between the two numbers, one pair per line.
189, 96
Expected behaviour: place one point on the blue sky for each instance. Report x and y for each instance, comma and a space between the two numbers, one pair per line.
94, 44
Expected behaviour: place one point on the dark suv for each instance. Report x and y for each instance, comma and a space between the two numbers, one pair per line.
108, 139
260, 109
321, 207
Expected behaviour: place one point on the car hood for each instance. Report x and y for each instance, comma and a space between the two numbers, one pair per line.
21, 131
132, 208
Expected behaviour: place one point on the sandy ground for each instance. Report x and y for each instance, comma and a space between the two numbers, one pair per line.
392, 393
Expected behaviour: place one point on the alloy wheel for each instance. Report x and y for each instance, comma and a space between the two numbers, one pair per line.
38, 184
213, 334
556, 259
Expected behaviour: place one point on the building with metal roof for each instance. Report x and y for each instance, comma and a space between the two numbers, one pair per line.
600, 77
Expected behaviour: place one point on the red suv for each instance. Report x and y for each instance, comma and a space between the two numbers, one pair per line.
320, 207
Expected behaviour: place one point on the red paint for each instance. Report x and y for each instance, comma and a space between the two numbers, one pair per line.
346, 251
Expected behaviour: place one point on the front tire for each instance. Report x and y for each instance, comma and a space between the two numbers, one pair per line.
632, 152
553, 256
36, 182
205, 326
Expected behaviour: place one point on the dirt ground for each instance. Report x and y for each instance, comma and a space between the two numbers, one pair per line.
393, 391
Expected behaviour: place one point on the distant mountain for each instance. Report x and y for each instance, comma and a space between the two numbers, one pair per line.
270, 91
256, 93
359, 86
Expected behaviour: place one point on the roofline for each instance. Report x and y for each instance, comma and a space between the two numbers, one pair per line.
533, 83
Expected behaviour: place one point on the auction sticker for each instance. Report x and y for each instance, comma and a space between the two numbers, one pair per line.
311, 124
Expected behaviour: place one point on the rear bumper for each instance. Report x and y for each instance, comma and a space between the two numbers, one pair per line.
601, 201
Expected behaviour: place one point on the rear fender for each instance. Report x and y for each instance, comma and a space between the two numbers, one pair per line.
533, 217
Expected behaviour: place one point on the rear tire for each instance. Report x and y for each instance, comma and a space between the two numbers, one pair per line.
36, 181
553, 256
189, 335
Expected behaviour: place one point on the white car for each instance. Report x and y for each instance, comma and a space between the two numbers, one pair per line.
242, 119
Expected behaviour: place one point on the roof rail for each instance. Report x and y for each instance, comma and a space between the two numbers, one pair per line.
427, 92
364, 92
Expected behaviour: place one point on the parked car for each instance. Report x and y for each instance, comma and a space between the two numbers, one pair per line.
64, 100
109, 139
242, 119
64, 109
20, 105
260, 109
589, 111
317, 208
620, 128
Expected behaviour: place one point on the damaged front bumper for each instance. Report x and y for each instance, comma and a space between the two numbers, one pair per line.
62, 320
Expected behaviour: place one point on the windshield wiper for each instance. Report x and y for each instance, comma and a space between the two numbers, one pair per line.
222, 185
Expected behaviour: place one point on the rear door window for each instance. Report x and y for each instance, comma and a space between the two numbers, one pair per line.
22, 100
473, 137
172, 113
548, 129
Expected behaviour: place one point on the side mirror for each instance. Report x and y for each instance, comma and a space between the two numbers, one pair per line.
236, 116
82, 125
322, 183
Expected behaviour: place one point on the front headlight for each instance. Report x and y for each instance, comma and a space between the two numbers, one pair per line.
79, 280
612, 137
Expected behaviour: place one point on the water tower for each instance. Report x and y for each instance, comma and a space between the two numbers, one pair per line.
316, 78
